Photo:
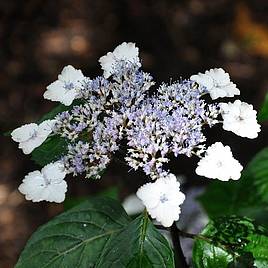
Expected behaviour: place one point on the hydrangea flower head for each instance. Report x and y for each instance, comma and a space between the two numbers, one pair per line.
65, 89
162, 199
120, 115
48, 185
218, 163
240, 118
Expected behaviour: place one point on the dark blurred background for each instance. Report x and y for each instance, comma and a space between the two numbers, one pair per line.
176, 39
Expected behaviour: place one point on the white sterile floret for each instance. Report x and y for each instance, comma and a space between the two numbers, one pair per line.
31, 136
218, 163
66, 88
162, 199
125, 51
47, 185
217, 82
240, 118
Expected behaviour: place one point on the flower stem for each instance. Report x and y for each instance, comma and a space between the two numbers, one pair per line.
179, 256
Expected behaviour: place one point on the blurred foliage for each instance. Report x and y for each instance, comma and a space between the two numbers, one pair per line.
231, 242
253, 35
263, 114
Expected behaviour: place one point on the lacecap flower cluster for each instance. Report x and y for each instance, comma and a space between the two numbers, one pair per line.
117, 112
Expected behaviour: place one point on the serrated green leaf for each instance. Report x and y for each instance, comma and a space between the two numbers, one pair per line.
263, 114
75, 238
246, 197
97, 233
51, 150
231, 242
140, 245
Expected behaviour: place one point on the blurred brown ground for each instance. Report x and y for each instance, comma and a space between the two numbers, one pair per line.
176, 39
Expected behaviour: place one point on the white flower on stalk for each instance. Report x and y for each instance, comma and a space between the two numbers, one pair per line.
162, 199
66, 88
47, 185
218, 163
240, 118
217, 82
31, 136
125, 51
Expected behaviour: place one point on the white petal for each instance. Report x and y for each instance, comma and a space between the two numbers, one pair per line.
24, 132
28, 146
125, 51
47, 126
149, 193
55, 91
54, 171
70, 74
32, 186
106, 63
203, 80
231, 90
56, 192
220, 77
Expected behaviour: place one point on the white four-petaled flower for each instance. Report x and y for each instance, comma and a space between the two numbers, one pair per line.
47, 185
218, 163
162, 199
125, 51
66, 88
240, 118
217, 82
30, 136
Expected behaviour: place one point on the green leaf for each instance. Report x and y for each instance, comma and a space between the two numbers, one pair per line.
246, 197
231, 242
97, 233
51, 150
70, 202
75, 238
58, 109
263, 114
140, 245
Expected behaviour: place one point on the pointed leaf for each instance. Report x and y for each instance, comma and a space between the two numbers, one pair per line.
75, 238
140, 245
